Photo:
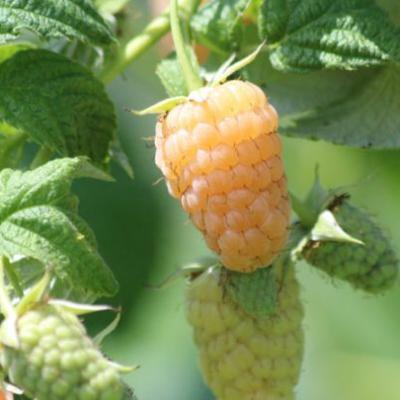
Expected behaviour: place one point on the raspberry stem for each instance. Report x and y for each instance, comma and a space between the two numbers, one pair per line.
139, 44
192, 78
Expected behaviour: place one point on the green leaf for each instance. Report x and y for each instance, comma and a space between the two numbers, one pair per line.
315, 34
55, 18
358, 109
11, 150
110, 6
8, 50
368, 117
218, 25
33, 224
170, 73
59, 103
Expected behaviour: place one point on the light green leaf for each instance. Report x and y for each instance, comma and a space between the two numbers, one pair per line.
59, 103
170, 73
33, 224
314, 34
55, 18
110, 6
218, 25
357, 108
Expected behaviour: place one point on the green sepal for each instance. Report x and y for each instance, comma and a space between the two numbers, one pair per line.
8, 332
11, 389
79, 308
162, 106
328, 229
98, 339
35, 294
187, 271
124, 369
256, 293
223, 74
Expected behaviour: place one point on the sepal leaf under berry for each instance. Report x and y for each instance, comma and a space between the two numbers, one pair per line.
256, 293
174, 83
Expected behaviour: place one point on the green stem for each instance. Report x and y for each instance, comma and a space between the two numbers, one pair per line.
42, 156
6, 306
192, 78
193, 5
137, 46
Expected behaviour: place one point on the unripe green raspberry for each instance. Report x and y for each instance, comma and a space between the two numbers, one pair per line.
242, 357
372, 267
56, 359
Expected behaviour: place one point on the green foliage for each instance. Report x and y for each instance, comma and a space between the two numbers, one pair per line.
59, 103
307, 35
110, 6
35, 223
170, 73
357, 109
8, 50
218, 24
54, 18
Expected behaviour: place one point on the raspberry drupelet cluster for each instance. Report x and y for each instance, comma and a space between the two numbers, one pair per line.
221, 156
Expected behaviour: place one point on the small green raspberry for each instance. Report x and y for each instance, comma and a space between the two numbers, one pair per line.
372, 267
243, 357
56, 359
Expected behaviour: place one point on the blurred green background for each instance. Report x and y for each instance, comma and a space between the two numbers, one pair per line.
352, 340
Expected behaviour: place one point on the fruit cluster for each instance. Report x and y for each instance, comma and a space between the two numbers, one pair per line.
244, 357
221, 156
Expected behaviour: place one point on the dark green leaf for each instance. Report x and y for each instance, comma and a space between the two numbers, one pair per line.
8, 50
11, 149
55, 18
218, 25
59, 103
33, 223
357, 109
307, 35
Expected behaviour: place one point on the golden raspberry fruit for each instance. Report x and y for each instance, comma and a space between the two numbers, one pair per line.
221, 156
244, 357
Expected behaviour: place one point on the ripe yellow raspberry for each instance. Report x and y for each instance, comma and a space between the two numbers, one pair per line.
243, 357
221, 156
